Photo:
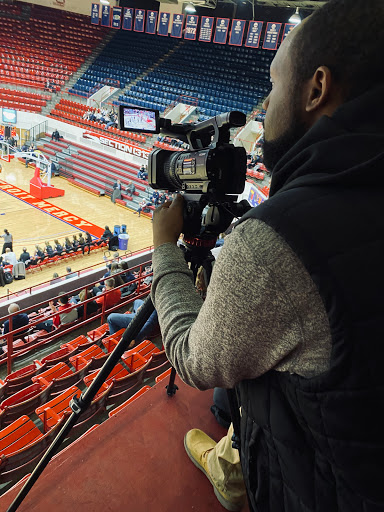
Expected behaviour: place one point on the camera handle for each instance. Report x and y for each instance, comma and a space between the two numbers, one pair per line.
79, 405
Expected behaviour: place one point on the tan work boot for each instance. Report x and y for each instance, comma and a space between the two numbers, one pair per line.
198, 445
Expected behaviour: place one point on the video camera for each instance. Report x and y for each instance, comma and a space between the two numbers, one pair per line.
210, 174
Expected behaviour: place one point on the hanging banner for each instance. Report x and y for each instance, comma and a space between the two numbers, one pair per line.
95, 14
288, 27
191, 27
139, 20
127, 18
271, 37
206, 28
237, 31
105, 16
177, 25
254, 34
150, 26
163, 27
116, 17
221, 32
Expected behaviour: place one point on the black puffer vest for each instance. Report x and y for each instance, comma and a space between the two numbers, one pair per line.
318, 444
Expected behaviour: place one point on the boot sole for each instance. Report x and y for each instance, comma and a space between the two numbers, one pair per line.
228, 505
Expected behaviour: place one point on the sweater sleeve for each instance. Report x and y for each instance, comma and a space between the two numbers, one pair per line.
253, 317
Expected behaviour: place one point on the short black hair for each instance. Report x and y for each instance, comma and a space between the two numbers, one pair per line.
347, 36
63, 298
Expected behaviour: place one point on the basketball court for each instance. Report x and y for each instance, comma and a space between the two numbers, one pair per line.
30, 225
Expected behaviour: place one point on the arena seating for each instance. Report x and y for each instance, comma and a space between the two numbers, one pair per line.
115, 62
50, 45
21, 100
216, 79
73, 113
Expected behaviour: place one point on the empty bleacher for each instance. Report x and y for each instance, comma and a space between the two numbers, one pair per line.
20, 100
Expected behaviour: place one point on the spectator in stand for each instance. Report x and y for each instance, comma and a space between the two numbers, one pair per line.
155, 197
70, 274
25, 257
115, 269
56, 278
8, 240
8, 258
66, 314
59, 249
92, 306
117, 321
56, 136
110, 299
162, 198
141, 173
116, 192
131, 189
142, 207
128, 276
19, 320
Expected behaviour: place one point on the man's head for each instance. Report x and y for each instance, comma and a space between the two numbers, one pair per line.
69, 269
13, 308
329, 59
24, 249
109, 283
63, 299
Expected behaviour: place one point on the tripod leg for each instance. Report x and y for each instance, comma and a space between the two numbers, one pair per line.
171, 387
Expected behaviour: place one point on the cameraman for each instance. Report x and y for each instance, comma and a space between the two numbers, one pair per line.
294, 312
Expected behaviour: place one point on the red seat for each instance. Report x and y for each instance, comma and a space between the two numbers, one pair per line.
23, 402
22, 444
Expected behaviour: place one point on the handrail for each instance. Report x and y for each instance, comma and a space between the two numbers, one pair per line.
28, 290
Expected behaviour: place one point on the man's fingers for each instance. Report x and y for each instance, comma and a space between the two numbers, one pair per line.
177, 202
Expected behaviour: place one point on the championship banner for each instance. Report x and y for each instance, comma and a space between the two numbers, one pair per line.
116, 17
206, 29
163, 27
95, 14
127, 18
237, 31
105, 16
221, 32
191, 27
271, 37
150, 26
125, 147
139, 20
177, 25
288, 27
254, 34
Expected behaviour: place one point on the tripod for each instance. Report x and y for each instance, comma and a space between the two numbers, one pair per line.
198, 253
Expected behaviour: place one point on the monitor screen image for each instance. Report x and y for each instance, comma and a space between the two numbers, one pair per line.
140, 119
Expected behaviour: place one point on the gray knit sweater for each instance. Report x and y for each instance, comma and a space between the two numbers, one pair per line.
262, 312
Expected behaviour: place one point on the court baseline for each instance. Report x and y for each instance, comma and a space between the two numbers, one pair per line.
50, 209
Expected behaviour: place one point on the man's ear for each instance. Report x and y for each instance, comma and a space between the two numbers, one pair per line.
318, 90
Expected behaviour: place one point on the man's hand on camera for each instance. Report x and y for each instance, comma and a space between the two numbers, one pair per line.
168, 222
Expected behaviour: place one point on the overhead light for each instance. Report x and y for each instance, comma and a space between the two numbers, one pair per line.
295, 18
190, 8
104, 2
